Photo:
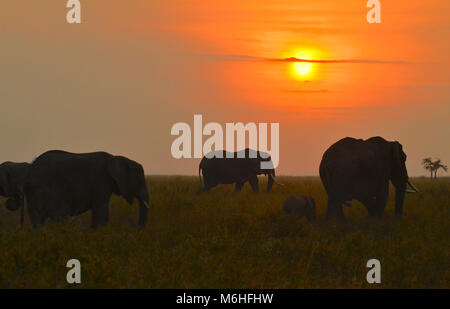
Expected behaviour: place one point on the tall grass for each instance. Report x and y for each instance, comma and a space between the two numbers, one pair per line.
223, 239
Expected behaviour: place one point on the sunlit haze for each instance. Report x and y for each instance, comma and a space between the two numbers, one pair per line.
119, 81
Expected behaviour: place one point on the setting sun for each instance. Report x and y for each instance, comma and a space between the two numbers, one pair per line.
303, 68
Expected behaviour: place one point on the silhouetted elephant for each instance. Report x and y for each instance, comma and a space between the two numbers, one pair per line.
12, 181
360, 170
300, 206
62, 184
222, 167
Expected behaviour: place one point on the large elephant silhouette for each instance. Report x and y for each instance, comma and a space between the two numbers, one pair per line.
356, 169
222, 167
12, 181
62, 184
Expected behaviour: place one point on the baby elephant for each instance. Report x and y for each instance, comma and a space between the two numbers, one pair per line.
300, 206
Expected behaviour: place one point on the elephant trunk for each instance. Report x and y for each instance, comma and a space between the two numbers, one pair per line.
143, 213
15, 203
270, 181
22, 213
399, 199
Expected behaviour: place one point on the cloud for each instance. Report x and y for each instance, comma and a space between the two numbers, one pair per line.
293, 59
309, 91
431, 88
235, 57
229, 57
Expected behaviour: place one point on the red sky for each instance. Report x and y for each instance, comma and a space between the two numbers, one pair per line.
122, 78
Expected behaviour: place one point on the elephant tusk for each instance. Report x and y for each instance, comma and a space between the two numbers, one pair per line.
146, 204
275, 181
413, 187
410, 191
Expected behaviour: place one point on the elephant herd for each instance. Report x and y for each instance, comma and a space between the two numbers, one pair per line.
59, 184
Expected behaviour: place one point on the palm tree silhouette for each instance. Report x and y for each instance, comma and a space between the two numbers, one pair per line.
437, 165
433, 166
428, 165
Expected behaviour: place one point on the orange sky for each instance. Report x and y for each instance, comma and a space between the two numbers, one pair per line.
122, 78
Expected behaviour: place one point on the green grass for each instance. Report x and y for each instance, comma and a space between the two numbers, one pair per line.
226, 240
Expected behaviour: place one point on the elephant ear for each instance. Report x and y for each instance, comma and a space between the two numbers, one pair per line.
266, 161
118, 170
399, 174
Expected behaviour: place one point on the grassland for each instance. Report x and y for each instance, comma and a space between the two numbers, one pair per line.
228, 240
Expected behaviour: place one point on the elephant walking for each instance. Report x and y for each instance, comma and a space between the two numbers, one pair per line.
361, 169
222, 167
12, 181
62, 184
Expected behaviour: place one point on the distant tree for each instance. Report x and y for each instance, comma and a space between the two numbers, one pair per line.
428, 165
437, 165
433, 166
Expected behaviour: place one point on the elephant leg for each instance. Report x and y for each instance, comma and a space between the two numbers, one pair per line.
381, 201
334, 209
35, 218
239, 186
35, 208
371, 207
209, 183
60, 212
372, 213
339, 211
331, 208
310, 209
22, 211
100, 215
207, 188
254, 183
